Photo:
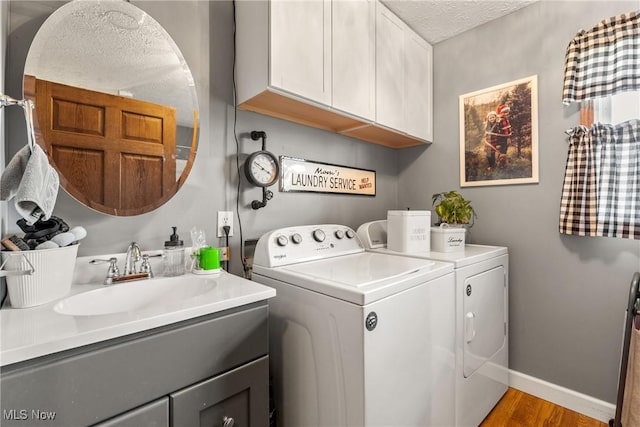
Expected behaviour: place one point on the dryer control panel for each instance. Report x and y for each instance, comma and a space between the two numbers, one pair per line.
292, 245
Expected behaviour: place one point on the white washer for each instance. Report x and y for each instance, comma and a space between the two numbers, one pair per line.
356, 338
482, 332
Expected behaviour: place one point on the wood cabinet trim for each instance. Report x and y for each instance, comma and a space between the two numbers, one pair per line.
291, 108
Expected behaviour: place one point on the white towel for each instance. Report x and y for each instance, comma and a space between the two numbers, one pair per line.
12, 174
38, 182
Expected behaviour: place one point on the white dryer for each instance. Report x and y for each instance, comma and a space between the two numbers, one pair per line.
356, 338
482, 332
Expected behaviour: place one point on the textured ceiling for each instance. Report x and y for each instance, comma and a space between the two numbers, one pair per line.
438, 20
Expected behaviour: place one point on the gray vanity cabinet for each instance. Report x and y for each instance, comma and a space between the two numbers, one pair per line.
204, 368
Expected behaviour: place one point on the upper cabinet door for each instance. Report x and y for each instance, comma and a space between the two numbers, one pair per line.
353, 33
404, 77
418, 86
390, 76
301, 48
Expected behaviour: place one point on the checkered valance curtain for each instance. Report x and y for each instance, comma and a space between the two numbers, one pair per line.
601, 191
603, 61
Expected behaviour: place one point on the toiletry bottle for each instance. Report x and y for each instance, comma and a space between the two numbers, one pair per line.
173, 255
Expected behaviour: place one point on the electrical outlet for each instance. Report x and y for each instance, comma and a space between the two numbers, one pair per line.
225, 218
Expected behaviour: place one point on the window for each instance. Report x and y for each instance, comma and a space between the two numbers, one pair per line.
601, 189
616, 108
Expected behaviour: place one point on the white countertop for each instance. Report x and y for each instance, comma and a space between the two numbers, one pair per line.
27, 333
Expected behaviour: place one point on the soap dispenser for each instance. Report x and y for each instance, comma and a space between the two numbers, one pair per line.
173, 255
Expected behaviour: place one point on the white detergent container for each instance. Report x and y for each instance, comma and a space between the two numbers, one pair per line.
409, 231
447, 239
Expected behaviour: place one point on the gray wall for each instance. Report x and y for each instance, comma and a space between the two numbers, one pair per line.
567, 294
204, 33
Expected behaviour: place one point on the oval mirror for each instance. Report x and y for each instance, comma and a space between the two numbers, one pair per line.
116, 107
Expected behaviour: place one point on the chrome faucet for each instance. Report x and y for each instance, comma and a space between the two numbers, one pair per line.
133, 256
130, 272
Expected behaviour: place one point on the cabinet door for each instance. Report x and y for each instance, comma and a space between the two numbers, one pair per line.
390, 76
155, 414
301, 48
239, 397
418, 86
353, 57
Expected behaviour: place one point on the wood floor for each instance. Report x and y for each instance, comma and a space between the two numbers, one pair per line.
518, 409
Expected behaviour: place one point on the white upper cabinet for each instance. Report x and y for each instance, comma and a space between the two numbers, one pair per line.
348, 66
390, 106
403, 77
418, 86
301, 48
390, 75
353, 57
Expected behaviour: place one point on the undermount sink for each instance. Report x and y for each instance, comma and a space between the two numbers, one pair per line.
134, 296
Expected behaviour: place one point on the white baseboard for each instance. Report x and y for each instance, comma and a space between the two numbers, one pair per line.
578, 402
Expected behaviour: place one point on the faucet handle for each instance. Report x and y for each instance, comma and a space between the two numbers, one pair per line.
113, 270
145, 267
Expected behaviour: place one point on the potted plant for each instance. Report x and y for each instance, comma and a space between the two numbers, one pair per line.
453, 209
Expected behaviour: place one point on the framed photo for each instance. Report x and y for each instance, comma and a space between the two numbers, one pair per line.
499, 134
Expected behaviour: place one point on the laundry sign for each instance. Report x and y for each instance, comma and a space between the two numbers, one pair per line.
308, 176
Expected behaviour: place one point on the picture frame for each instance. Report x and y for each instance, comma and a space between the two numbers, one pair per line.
499, 134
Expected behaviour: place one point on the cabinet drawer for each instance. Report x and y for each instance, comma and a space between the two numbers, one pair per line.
239, 398
155, 414
89, 385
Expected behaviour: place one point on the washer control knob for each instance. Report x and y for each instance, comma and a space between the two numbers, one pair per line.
282, 240
296, 238
339, 234
350, 234
318, 235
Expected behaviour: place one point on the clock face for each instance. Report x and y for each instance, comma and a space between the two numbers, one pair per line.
262, 169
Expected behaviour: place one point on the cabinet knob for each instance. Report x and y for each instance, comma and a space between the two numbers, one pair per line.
228, 422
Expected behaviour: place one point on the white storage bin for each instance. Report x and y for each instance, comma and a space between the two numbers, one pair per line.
408, 231
447, 239
50, 278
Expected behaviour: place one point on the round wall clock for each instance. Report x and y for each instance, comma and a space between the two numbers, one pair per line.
262, 168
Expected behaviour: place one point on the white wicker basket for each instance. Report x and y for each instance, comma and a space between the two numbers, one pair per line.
40, 276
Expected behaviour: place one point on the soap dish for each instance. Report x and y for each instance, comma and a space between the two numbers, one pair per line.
206, 272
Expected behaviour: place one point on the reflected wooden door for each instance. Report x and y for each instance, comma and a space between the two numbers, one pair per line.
113, 153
